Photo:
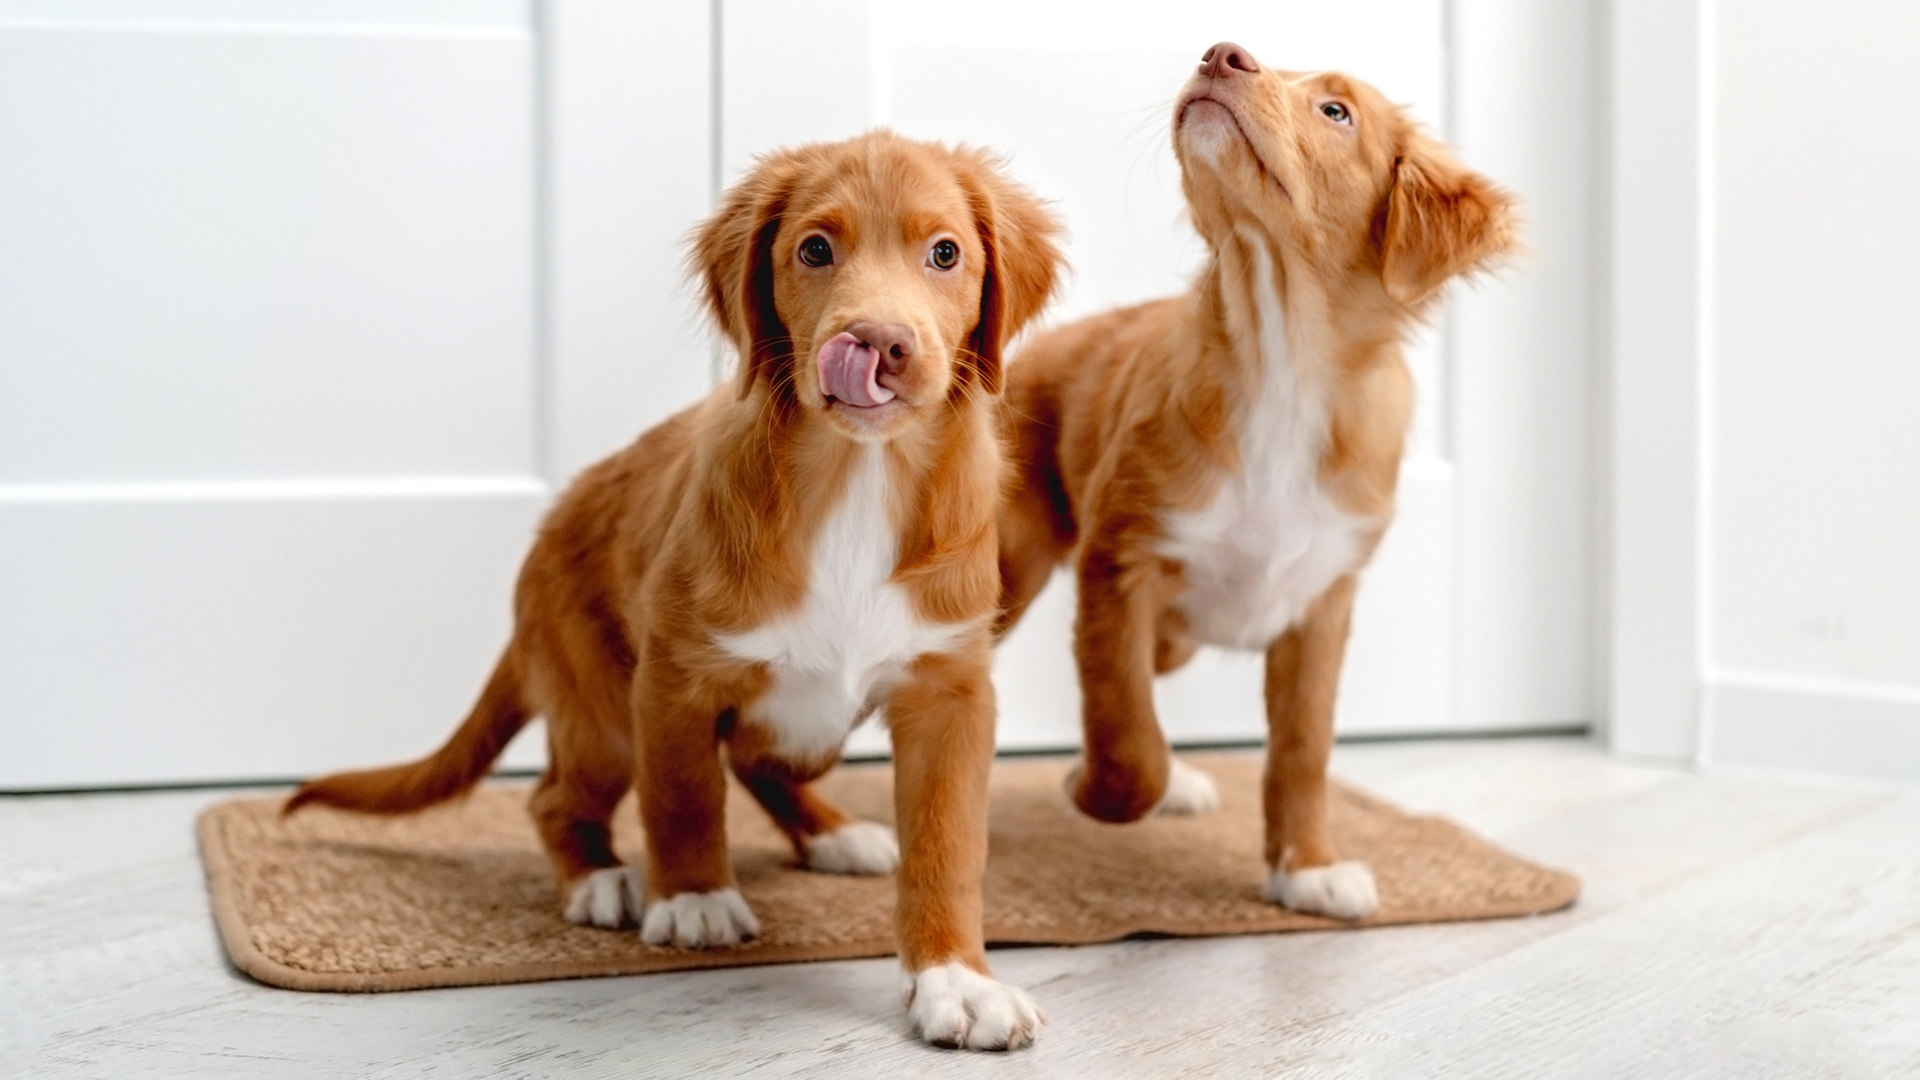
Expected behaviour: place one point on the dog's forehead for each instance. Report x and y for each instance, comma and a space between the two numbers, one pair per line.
893, 187
1382, 123
1331, 83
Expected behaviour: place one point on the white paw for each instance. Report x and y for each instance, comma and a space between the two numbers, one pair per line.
858, 847
608, 897
954, 1005
1343, 890
699, 920
1189, 791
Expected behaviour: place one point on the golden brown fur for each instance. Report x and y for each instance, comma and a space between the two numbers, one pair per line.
1132, 427
705, 526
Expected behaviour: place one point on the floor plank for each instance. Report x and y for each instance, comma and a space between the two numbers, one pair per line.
1731, 926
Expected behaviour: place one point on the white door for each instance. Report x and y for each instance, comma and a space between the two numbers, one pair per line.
308, 306
1080, 103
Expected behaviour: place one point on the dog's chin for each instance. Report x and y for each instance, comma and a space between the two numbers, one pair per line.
1209, 129
869, 423
1235, 183
1212, 139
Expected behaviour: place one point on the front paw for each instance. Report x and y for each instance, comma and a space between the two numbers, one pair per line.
608, 897
1344, 890
858, 847
1111, 794
1189, 791
955, 1006
700, 920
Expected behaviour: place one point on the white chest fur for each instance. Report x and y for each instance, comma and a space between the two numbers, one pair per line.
835, 656
1271, 540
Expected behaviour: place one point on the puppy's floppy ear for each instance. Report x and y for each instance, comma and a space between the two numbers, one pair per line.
732, 253
1023, 262
1442, 220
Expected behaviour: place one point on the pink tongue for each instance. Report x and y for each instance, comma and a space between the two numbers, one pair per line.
849, 369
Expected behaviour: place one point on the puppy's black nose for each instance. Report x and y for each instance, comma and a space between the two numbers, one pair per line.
1224, 59
894, 342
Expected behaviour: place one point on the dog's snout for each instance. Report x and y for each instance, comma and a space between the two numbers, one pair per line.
1224, 59
893, 341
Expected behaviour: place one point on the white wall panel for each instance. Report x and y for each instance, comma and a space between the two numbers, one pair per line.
1808, 420
1816, 494
1765, 597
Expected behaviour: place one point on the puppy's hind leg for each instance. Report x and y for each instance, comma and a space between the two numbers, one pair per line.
1189, 789
571, 810
824, 837
1036, 526
589, 770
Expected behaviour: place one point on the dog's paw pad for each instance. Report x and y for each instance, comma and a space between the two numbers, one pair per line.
858, 847
700, 920
954, 1006
1189, 791
1344, 890
608, 897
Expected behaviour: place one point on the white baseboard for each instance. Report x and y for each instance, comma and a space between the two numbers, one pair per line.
1814, 725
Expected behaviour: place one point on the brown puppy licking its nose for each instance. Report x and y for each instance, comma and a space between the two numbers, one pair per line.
765, 570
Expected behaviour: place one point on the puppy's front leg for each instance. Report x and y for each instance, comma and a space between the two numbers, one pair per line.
691, 900
1127, 765
942, 724
1303, 675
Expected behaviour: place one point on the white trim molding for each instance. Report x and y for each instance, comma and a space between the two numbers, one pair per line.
1814, 725
1522, 84
1659, 369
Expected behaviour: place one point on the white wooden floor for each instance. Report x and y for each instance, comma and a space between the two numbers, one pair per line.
1732, 926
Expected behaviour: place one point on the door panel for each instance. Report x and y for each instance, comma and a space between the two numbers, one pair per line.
305, 306
263, 253
268, 434
221, 636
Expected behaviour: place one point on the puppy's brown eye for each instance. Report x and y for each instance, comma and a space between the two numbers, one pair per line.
815, 251
944, 255
1336, 112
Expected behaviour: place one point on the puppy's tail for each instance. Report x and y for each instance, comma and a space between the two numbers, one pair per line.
449, 771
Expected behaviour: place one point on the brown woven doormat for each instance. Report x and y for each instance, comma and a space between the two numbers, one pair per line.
461, 895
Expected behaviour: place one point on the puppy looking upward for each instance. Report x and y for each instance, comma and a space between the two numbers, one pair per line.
760, 573
1221, 464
